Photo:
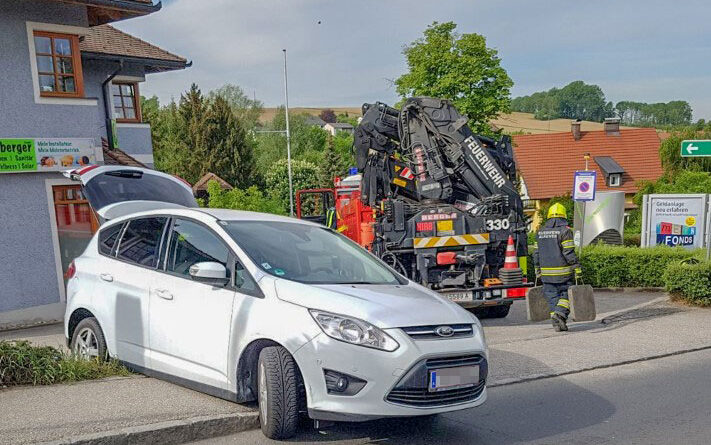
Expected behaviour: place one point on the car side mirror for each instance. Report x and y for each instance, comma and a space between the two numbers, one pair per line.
209, 272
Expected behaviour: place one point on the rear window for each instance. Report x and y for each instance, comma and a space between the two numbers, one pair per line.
134, 185
140, 243
108, 238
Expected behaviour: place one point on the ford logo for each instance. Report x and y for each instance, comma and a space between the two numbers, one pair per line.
444, 331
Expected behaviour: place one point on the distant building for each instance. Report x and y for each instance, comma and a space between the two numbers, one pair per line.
314, 121
337, 127
200, 187
621, 157
70, 98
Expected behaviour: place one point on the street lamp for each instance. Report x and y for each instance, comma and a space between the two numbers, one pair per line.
288, 138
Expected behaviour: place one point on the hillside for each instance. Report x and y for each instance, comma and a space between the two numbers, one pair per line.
511, 123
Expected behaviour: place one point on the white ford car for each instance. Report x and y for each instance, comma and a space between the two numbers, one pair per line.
248, 306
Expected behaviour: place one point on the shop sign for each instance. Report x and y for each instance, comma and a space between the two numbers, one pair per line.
676, 220
47, 154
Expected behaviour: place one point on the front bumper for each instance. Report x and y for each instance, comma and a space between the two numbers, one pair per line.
385, 373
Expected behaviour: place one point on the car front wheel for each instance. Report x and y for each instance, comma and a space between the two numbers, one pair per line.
278, 392
88, 340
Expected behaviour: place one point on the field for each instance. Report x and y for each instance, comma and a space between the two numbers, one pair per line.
511, 123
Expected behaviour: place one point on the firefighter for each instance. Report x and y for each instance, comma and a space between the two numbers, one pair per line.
556, 264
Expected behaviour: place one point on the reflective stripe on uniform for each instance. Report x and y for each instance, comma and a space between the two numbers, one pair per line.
568, 243
563, 302
454, 240
556, 271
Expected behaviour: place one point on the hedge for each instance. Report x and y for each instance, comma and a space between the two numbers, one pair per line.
691, 282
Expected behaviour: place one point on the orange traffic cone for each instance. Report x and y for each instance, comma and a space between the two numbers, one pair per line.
511, 262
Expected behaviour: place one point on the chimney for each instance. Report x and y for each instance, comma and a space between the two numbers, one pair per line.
612, 126
575, 129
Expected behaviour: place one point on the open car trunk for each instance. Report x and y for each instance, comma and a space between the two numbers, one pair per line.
114, 191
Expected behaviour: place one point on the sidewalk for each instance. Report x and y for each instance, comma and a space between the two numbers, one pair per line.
149, 410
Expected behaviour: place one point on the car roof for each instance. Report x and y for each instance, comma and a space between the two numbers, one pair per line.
207, 214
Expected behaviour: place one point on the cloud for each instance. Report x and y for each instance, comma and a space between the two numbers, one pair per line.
636, 46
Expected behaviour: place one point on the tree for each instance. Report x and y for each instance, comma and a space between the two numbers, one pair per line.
577, 100
670, 153
193, 110
228, 153
251, 199
458, 67
246, 110
305, 175
328, 115
331, 165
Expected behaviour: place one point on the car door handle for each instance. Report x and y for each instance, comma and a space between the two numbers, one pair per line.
106, 277
164, 294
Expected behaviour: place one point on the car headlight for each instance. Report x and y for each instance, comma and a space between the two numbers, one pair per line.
354, 331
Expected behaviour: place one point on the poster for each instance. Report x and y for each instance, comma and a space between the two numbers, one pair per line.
676, 220
584, 185
47, 154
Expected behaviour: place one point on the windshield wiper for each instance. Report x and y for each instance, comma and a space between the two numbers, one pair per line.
355, 282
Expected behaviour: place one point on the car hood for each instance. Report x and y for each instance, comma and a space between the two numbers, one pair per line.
385, 306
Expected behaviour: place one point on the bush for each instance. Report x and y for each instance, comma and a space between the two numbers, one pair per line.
618, 266
632, 239
689, 282
21, 363
251, 199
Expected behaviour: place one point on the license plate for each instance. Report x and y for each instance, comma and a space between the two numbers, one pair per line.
460, 296
452, 378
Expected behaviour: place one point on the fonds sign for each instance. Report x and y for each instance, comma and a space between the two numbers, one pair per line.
675, 220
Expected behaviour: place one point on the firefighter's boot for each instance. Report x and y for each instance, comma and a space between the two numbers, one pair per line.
559, 323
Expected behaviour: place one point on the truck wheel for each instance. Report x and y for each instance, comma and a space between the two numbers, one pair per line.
499, 311
88, 340
278, 392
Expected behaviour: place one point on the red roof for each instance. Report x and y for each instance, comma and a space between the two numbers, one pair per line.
547, 161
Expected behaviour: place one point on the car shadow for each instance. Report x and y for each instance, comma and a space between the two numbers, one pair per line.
513, 413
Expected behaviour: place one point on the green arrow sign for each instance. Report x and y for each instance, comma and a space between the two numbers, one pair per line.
695, 148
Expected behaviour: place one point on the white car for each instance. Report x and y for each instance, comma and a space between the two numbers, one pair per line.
248, 306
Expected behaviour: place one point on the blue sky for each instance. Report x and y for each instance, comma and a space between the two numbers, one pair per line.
642, 50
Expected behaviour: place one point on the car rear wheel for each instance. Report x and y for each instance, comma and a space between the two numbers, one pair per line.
279, 400
88, 340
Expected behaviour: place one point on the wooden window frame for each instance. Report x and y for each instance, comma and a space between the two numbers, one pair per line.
76, 65
136, 103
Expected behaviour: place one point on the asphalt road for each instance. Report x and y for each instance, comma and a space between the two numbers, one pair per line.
660, 401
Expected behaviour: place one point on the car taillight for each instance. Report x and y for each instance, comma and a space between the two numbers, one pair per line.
445, 258
71, 271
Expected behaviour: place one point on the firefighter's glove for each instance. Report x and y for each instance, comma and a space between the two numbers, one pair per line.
538, 272
578, 273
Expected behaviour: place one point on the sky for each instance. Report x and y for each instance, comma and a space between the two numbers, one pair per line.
640, 50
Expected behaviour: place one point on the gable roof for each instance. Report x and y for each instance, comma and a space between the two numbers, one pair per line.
201, 184
547, 162
105, 40
338, 125
105, 11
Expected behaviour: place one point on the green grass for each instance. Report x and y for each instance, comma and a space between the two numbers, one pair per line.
22, 363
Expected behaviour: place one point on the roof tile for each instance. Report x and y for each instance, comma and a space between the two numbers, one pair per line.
105, 39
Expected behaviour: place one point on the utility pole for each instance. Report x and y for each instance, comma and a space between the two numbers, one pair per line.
288, 138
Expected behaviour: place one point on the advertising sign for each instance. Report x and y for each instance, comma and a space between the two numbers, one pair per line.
675, 220
584, 185
46, 154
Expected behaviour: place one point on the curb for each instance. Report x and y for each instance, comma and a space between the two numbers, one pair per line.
172, 431
628, 289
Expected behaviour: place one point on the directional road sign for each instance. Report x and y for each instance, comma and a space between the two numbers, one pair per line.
695, 148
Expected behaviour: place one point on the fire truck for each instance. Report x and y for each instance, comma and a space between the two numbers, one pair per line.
435, 201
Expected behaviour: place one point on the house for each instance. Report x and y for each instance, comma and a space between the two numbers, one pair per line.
621, 157
337, 127
200, 187
314, 121
70, 98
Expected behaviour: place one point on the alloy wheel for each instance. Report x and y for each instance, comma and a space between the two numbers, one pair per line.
87, 346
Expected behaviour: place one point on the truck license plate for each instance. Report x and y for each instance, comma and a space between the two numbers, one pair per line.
460, 296
452, 378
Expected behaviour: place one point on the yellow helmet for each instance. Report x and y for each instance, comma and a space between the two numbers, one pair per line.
557, 210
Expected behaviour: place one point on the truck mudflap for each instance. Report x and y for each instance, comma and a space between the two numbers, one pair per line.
486, 296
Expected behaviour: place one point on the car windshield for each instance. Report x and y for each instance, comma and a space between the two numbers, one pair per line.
307, 254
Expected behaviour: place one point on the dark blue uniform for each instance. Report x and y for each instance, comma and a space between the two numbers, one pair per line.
556, 259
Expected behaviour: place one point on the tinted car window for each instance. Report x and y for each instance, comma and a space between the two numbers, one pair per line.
308, 254
134, 185
192, 243
140, 242
108, 238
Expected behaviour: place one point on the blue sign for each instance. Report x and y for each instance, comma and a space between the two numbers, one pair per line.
584, 185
